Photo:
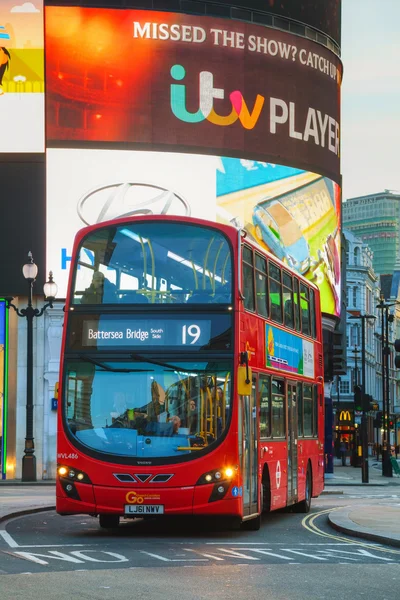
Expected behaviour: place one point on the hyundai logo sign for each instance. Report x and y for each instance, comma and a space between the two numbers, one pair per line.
117, 200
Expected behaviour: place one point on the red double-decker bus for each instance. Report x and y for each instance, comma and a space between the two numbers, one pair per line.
191, 376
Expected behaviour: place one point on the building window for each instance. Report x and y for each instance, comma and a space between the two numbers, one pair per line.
355, 295
344, 387
356, 256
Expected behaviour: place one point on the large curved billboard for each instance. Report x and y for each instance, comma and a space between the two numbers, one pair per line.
324, 15
240, 121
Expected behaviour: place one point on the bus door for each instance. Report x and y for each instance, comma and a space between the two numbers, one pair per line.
248, 428
292, 444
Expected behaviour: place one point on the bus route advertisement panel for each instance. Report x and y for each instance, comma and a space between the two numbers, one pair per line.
214, 86
21, 76
292, 213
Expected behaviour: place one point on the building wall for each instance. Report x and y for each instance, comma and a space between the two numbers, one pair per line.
375, 219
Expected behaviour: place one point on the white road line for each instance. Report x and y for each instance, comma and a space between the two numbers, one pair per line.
270, 553
304, 554
277, 544
8, 539
174, 559
237, 554
13, 544
204, 554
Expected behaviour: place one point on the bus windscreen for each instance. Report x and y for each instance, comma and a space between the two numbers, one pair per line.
145, 407
154, 263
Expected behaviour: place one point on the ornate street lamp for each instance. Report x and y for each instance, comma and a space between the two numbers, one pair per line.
30, 271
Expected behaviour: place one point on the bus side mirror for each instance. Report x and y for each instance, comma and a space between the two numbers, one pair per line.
244, 375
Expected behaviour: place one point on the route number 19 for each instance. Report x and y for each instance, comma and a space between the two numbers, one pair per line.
190, 331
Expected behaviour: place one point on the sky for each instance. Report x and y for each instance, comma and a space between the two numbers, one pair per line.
370, 157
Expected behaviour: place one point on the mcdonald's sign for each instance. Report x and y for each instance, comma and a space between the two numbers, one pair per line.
345, 415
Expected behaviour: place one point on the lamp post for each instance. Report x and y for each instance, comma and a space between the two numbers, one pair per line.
30, 271
385, 319
364, 422
356, 352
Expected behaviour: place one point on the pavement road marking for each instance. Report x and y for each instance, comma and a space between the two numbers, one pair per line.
13, 544
304, 554
237, 554
308, 523
212, 556
159, 557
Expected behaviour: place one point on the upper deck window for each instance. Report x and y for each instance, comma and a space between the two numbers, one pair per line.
154, 263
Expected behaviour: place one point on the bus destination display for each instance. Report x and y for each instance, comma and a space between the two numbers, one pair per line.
146, 333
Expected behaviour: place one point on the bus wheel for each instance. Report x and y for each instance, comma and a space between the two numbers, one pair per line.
265, 492
252, 524
108, 521
305, 505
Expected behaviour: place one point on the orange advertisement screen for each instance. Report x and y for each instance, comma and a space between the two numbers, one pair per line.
153, 80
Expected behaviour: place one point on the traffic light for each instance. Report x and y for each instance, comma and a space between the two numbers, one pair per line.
362, 404
358, 398
391, 423
378, 420
397, 357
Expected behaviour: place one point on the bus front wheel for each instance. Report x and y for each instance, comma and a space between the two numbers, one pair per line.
252, 524
108, 521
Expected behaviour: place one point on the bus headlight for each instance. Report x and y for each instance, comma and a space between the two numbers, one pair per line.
72, 474
217, 475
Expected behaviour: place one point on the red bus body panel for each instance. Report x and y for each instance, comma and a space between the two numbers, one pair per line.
181, 495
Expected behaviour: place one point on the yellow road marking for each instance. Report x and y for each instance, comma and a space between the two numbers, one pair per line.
309, 524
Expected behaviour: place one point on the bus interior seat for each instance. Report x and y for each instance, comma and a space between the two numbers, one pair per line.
200, 298
133, 298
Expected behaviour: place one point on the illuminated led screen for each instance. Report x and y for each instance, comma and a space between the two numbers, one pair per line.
21, 76
3, 389
215, 86
293, 213
193, 115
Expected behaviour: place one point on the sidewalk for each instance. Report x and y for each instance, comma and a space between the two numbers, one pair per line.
18, 498
380, 523
376, 522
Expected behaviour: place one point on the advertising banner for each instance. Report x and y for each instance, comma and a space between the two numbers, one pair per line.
324, 15
165, 81
288, 352
3, 389
21, 76
292, 213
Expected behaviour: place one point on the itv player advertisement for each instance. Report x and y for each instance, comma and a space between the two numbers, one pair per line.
175, 82
294, 214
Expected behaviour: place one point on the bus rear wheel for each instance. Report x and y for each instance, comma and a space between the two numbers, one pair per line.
305, 505
108, 521
252, 524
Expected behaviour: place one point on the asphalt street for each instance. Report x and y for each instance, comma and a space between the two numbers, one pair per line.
292, 556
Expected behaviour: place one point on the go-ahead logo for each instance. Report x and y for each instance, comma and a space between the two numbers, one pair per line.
117, 200
135, 498
207, 94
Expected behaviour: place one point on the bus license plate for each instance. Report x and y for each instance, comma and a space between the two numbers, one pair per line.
144, 509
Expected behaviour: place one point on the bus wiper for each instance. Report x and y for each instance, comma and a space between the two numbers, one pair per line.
97, 363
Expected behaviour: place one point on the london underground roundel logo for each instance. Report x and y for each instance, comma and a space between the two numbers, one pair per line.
278, 475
